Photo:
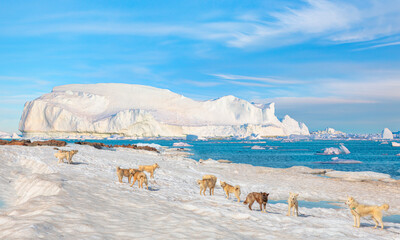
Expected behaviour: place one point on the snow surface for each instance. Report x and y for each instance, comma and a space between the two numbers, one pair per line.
85, 201
387, 134
142, 111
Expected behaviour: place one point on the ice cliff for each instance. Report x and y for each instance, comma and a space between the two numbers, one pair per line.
143, 111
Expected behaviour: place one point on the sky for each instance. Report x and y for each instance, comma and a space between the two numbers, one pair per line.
325, 63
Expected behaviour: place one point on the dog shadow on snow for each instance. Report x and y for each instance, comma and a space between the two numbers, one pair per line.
78, 163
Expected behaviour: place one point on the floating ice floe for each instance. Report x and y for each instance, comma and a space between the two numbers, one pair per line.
256, 147
336, 160
395, 144
360, 176
182, 144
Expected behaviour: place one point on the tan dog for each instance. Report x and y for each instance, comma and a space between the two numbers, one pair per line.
141, 177
293, 203
231, 189
63, 154
149, 168
261, 198
208, 181
359, 210
121, 173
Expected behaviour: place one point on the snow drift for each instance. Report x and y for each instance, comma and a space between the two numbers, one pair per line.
142, 111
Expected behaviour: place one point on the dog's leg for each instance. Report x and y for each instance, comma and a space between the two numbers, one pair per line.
358, 220
355, 221
134, 180
381, 222
265, 207
237, 196
250, 204
288, 211
376, 222
213, 190
297, 210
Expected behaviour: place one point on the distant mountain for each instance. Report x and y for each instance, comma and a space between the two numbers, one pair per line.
143, 111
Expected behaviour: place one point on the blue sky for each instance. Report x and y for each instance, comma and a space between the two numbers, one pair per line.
326, 63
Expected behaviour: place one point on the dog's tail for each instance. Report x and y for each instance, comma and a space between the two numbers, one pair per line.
384, 207
245, 202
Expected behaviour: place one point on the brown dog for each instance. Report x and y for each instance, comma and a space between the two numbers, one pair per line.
261, 198
231, 189
149, 168
140, 176
63, 154
121, 173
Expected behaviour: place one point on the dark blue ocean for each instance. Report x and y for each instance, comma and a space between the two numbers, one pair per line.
374, 156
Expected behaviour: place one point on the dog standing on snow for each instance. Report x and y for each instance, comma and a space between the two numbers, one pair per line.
360, 210
63, 154
149, 168
231, 189
140, 177
208, 181
260, 197
293, 203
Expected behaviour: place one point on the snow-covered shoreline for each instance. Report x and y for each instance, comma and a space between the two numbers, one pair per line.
85, 200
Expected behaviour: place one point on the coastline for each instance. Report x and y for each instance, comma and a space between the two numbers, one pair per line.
86, 200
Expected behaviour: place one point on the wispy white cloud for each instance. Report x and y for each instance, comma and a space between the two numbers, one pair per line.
258, 79
313, 100
327, 21
202, 83
248, 84
379, 46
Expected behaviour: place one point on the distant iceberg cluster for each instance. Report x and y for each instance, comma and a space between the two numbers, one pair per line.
128, 110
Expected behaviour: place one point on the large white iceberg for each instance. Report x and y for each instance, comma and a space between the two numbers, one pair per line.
387, 134
143, 111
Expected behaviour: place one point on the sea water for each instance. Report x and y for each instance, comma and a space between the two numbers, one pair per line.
374, 156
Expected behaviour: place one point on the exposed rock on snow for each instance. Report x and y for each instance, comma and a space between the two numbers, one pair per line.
143, 111
387, 134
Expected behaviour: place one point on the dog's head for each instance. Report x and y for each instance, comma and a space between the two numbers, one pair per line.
74, 152
350, 200
132, 171
293, 196
156, 165
264, 196
199, 182
222, 183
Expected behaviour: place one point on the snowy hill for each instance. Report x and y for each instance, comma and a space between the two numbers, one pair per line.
144, 111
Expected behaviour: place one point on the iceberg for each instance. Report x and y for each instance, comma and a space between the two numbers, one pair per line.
387, 134
395, 144
129, 110
334, 151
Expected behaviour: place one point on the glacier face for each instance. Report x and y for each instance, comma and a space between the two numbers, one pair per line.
142, 111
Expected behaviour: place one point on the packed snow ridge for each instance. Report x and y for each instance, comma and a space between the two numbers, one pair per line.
142, 111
